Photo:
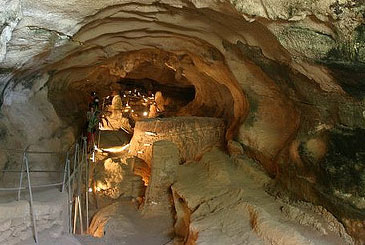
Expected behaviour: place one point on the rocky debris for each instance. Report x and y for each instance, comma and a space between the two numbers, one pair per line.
234, 148
114, 179
192, 135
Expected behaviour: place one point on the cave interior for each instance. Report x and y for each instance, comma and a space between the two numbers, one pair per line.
182, 122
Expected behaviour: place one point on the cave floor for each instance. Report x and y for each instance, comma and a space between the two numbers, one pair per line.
124, 223
127, 226
230, 205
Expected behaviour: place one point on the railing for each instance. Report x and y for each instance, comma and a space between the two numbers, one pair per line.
71, 181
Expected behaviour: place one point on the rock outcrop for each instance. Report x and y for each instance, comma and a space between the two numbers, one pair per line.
192, 135
158, 198
218, 203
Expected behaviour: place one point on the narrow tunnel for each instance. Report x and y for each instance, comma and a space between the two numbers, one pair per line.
182, 122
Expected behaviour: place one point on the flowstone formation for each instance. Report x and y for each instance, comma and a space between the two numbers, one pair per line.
285, 77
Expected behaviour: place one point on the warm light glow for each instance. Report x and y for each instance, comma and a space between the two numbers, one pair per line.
140, 152
98, 188
116, 148
97, 149
147, 144
93, 156
150, 133
132, 110
145, 113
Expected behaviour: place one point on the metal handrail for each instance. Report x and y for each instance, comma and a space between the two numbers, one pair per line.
32, 171
66, 176
32, 152
33, 186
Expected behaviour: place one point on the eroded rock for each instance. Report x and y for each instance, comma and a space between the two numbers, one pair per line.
192, 135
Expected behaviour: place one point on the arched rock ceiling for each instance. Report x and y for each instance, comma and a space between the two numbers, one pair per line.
81, 37
293, 69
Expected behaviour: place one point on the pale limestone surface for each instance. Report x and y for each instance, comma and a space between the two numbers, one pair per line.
287, 67
225, 204
165, 161
192, 135
16, 224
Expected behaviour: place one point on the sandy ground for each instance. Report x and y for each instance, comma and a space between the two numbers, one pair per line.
127, 226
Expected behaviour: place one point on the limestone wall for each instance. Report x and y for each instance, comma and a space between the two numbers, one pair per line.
192, 135
16, 222
298, 64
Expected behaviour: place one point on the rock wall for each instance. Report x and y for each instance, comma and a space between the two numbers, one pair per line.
222, 201
16, 222
286, 76
192, 135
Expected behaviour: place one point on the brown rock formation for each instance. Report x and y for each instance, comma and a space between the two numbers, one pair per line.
158, 198
286, 77
192, 135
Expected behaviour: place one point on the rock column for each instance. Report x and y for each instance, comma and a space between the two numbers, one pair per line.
165, 160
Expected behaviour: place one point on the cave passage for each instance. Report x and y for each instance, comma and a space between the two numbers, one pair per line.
140, 99
212, 122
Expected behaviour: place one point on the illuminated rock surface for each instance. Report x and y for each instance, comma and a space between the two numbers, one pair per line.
286, 77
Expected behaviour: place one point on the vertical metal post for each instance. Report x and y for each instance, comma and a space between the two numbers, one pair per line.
86, 187
79, 183
64, 174
31, 199
75, 156
70, 195
21, 178
75, 216
98, 144
80, 214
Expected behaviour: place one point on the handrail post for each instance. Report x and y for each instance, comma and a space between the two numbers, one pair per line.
70, 195
21, 178
86, 185
75, 215
75, 156
31, 199
80, 214
64, 174
79, 169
